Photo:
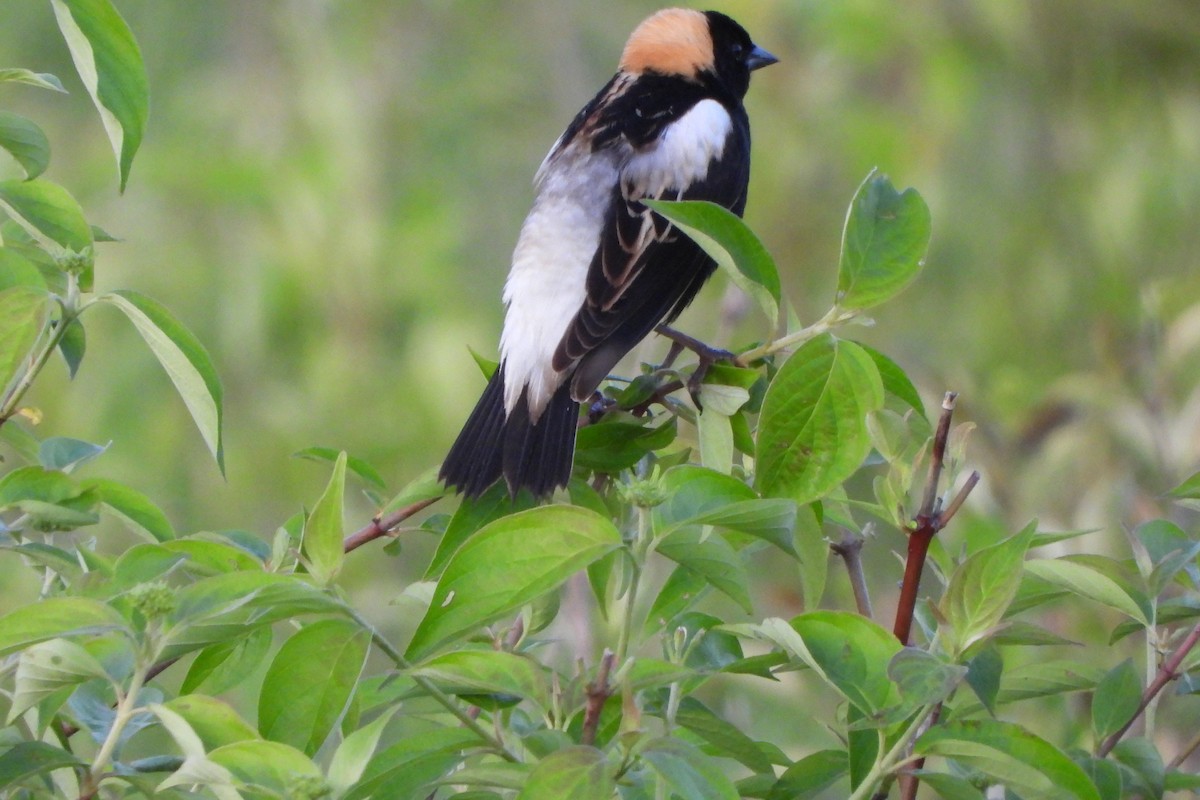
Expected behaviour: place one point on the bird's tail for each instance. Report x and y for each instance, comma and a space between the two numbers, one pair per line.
535, 456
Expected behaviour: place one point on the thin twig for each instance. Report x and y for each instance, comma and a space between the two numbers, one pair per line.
850, 551
1168, 672
382, 526
598, 692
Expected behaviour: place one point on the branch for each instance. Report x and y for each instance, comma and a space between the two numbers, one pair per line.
1168, 672
598, 692
850, 551
383, 526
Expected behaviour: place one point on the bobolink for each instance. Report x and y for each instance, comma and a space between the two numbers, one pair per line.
594, 270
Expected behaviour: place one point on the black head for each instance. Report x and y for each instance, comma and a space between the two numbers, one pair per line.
735, 55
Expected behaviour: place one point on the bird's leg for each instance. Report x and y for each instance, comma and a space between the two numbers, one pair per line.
706, 355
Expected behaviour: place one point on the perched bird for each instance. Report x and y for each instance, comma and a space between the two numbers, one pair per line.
594, 270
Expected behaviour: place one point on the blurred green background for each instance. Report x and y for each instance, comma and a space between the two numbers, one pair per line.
329, 192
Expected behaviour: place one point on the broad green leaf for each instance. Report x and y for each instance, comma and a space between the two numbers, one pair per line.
215, 722
812, 432
310, 681
883, 243
225, 606
579, 773
47, 667
1116, 699
404, 767
614, 446
65, 454
686, 771
984, 672
715, 433
354, 753
895, 381
713, 559
424, 487
769, 519
324, 529
270, 765
55, 617
110, 65
1087, 582
24, 312
185, 360
28, 759
849, 652
223, 665
25, 142
731, 243
42, 80
922, 677
472, 514
810, 775
508, 563
500, 775
49, 214
354, 464
487, 671
1188, 490
680, 591
17, 270
724, 736
982, 587
1140, 760
73, 346
812, 550
949, 787
1011, 756
693, 492
133, 508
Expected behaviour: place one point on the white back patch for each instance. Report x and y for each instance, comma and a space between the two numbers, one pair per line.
683, 153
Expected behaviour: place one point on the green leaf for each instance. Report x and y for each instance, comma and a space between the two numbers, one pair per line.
55, 617
356, 465
725, 737
27, 759
949, 787
712, 558
17, 270
1188, 490
133, 508
812, 549
813, 428
487, 671
65, 454
769, 519
24, 312
509, 563
1141, 761
922, 677
1087, 582
984, 672
982, 588
310, 681
810, 775
185, 360
1011, 756
269, 765
73, 346
680, 591
404, 767
686, 771
324, 529
25, 142
110, 65
471, 515
895, 381
579, 773
42, 80
47, 667
49, 214
731, 243
216, 723
350, 760
693, 492
424, 487
614, 446
223, 665
1116, 699
883, 243
849, 652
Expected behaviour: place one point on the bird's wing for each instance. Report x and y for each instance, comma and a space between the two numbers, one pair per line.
644, 269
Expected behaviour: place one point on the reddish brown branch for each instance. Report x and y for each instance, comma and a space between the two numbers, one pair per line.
598, 692
382, 526
1168, 672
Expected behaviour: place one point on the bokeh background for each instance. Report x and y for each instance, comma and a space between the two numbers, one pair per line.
328, 194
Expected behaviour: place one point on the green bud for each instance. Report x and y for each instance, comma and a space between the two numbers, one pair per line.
153, 600
307, 787
644, 492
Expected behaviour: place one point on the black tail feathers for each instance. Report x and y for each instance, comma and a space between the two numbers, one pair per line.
535, 456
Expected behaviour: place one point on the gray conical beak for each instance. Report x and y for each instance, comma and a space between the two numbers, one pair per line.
759, 58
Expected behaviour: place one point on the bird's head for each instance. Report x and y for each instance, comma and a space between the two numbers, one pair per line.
697, 46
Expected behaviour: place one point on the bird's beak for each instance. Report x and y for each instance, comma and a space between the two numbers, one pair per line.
759, 58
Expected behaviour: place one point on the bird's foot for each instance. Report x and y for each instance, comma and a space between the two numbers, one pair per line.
706, 355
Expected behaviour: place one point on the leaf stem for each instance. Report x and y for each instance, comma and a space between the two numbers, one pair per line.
894, 757
641, 546
833, 318
52, 333
430, 688
126, 707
